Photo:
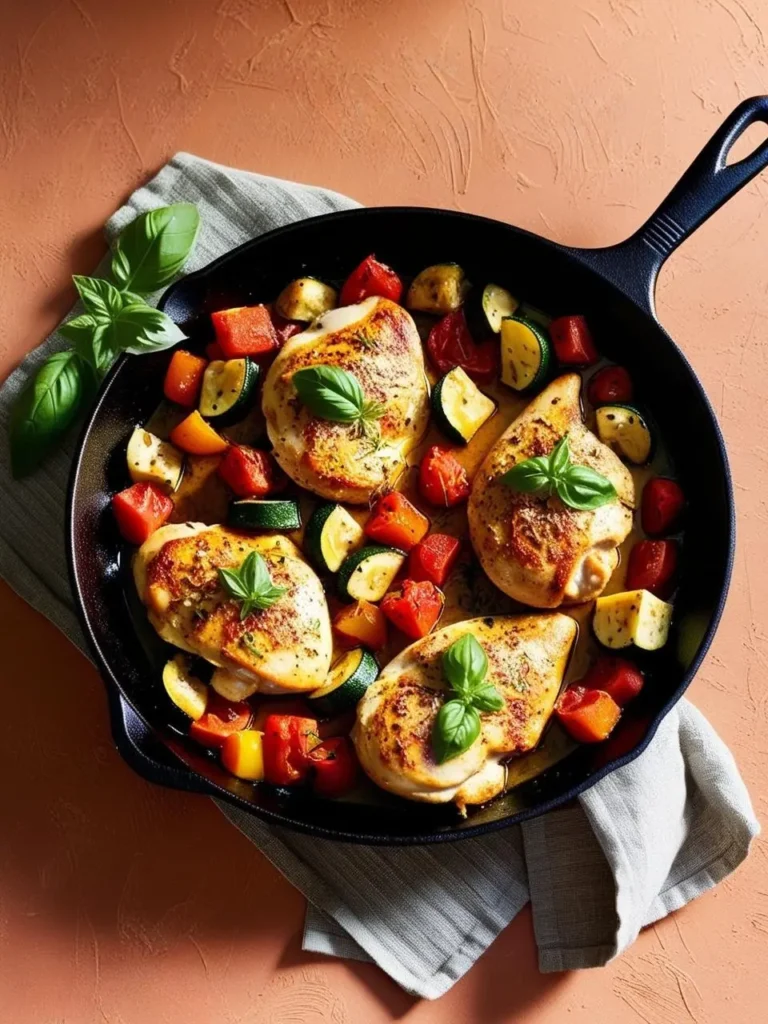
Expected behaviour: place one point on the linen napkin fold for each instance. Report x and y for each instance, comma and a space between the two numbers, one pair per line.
639, 844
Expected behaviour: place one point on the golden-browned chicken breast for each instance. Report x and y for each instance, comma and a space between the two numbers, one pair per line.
538, 550
378, 342
282, 649
527, 656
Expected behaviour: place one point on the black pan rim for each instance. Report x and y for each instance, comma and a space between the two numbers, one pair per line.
578, 256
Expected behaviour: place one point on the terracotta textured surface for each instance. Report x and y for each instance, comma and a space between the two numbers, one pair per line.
123, 903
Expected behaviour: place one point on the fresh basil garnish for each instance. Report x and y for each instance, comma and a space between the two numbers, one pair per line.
45, 410
150, 251
457, 726
153, 248
579, 487
336, 395
251, 585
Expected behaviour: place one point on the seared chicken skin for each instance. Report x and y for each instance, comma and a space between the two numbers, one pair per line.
283, 649
538, 550
527, 657
378, 342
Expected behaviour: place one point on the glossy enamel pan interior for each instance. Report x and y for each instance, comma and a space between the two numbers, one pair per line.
613, 288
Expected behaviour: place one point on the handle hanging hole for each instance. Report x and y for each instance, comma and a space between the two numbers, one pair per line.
747, 143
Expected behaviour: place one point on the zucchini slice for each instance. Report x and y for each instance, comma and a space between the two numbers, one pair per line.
625, 431
460, 407
525, 354
347, 681
264, 514
438, 289
367, 574
305, 299
487, 307
331, 534
228, 386
187, 692
151, 460
535, 315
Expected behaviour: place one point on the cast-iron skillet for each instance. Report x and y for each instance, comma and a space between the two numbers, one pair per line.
613, 287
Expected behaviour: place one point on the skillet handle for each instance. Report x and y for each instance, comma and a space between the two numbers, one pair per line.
145, 754
634, 265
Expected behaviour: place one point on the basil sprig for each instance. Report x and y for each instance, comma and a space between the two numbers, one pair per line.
334, 394
579, 487
457, 725
251, 585
149, 252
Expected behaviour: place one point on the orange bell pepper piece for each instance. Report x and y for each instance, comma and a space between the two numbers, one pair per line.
184, 378
197, 437
587, 715
395, 521
361, 623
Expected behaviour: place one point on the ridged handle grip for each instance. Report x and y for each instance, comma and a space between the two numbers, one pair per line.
634, 265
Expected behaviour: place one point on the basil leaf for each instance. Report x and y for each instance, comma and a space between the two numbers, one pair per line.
487, 698
465, 664
559, 457
456, 728
251, 584
531, 476
101, 299
44, 410
91, 341
330, 393
584, 488
140, 328
153, 248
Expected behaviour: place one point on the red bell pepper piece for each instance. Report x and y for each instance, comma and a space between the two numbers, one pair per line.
587, 715
287, 742
251, 473
184, 378
220, 719
285, 329
572, 341
652, 565
415, 608
609, 385
395, 521
140, 510
371, 278
618, 677
450, 344
442, 478
244, 331
334, 767
433, 558
662, 506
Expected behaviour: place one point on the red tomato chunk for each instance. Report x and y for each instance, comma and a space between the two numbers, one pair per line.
250, 473
618, 677
288, 739
140, 510
433, 558
371, 278
662, 506
221, 719
244, 331
572, 341
443, 480
450, 344
414, 609
334, 767
609, 385
652, 566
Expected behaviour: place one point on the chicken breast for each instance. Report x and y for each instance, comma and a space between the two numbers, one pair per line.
377, 341
527, 657
283, 649
538, 550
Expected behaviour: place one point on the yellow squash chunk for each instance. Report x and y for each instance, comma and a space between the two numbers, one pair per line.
632, 617
187, 692
242, 754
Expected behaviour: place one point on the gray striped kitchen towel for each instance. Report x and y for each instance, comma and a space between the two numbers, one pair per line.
638, 845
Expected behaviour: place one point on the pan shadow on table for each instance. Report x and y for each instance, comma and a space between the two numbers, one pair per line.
99, 864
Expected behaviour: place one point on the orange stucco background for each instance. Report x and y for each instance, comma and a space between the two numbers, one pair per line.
126, 904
